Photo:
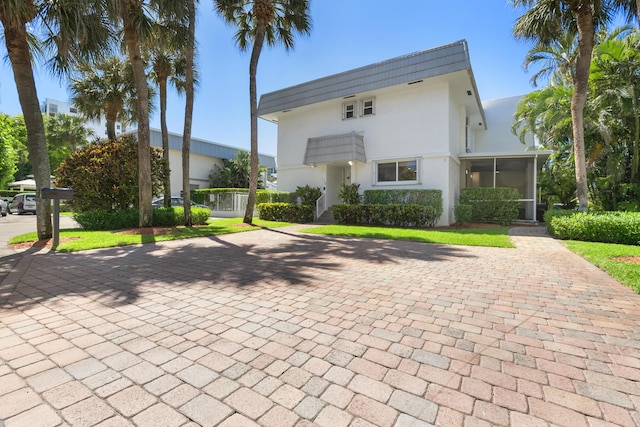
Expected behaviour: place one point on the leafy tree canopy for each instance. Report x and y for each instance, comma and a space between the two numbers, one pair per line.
104, 174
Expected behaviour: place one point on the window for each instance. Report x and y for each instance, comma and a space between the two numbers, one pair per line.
53, 110
368, 107
400, 171
348, 110
73, 110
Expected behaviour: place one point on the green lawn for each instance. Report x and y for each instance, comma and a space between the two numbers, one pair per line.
83, 240
602, 254
494, 236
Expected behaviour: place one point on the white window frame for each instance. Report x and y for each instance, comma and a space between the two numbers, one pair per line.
363, 109
354, 105
396, 161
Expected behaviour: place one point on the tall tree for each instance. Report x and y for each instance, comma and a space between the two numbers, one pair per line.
189, 88
105, 88
547, 21
257, 21
166, 51
70, 28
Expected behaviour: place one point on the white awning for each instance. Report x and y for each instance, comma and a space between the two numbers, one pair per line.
348, 147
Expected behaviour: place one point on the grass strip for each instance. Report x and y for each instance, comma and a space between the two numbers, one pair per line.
72, 240
609, 257
493, 237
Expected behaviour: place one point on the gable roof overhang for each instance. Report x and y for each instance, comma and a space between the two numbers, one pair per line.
445, 60
348, 147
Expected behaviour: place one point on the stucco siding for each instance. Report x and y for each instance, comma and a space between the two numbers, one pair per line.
498, 136
199, 169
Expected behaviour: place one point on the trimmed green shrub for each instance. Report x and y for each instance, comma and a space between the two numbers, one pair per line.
606, 227
120, 219
432, 198
464, 213
308, 195
104, 174
396, 215
350, 195
286, 212
103, 219
493, 205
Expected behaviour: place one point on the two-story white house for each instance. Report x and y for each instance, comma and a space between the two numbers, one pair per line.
412, 122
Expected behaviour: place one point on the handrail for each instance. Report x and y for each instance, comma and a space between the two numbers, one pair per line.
321, 205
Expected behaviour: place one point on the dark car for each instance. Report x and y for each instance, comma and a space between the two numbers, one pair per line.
177, 201
3, 207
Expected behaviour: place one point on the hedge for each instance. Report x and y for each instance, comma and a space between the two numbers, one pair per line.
606, 227
286, 212
128, 218
397, 215
491, 205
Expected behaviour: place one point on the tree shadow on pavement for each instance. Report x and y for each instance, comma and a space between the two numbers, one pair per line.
120, 276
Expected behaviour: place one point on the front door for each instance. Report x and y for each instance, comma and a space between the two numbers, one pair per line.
337, 176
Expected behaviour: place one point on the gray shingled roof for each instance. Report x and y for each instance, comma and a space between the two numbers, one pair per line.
206, 148
335, 148
404, 69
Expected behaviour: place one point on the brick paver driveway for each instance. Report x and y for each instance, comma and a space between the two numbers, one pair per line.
276, 328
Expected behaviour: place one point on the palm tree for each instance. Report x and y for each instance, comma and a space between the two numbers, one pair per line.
135, 18
165, 50
71, 28
189, 89
258, 21
547, 21
556, 59
105, 88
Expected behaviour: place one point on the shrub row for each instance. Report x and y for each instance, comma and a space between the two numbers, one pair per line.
491, 205
128, 218
606, 227
398, 197
397, 215
286, 212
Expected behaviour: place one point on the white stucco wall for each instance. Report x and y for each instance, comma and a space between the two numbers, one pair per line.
199, 169
497, 138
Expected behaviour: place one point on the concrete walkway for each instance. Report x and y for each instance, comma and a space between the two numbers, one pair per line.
279, 328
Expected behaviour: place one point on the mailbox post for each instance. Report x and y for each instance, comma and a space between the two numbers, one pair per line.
56, 194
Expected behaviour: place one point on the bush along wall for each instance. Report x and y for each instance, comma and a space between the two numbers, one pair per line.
492, 205
395, 215
398, 208
120, 219
287, 212
606, 227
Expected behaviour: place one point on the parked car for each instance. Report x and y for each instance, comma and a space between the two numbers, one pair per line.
23, 203
3, 207
177, 201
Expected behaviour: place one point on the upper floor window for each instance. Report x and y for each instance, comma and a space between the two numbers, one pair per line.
404, 171
368, 107
348, 110
73, 110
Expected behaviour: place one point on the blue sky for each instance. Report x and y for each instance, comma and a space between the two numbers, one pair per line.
346, 34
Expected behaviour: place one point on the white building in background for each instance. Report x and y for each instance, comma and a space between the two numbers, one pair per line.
412, 122
53, 107
205, 157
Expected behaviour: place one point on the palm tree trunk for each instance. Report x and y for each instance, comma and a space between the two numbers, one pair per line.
162, 83
111, 117
253, 99
15, 36
579, 98
188, 114
132, 41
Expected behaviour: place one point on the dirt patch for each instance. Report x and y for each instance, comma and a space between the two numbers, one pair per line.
39, 244
629, 259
